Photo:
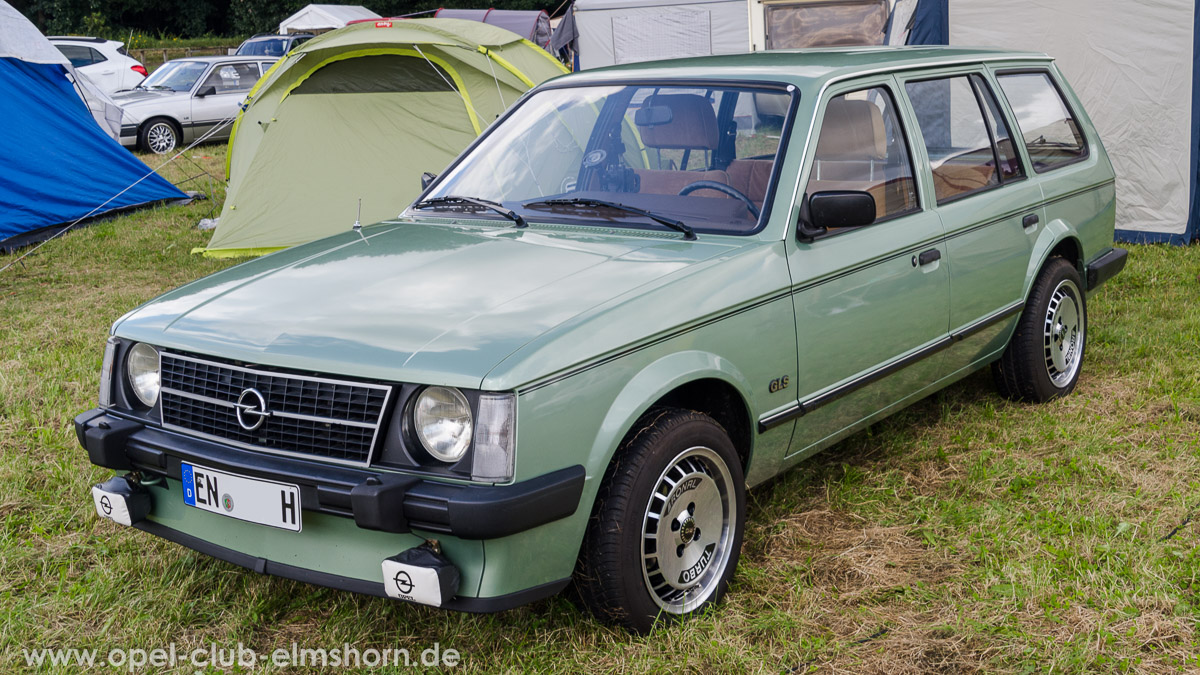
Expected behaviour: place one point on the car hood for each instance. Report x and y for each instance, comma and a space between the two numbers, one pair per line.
135, 97
409, 301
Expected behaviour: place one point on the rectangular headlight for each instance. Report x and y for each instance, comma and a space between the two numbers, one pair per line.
495, 438
106, 372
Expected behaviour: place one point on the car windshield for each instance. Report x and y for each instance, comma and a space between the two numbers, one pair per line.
641, 156
264, 47
175, 76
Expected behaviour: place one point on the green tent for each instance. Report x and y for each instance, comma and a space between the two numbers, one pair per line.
361, 113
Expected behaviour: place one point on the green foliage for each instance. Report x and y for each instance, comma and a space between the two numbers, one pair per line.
115, 19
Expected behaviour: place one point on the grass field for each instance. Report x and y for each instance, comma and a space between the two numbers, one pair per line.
965, 534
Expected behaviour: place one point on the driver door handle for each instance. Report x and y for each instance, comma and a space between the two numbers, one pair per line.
927, 257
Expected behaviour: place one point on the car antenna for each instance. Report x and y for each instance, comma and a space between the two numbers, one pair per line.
357, 226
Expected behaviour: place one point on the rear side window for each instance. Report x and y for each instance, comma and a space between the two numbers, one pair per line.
1006, 153
1049, 129
80, 56
967, 141
232, 78
862, 148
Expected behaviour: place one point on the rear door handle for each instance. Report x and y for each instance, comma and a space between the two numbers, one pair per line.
1029, 221
927, 257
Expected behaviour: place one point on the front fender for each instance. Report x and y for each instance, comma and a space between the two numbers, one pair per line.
573, 408
650, 384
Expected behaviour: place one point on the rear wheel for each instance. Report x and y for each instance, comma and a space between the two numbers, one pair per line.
666, 532
159, 136
1044, 357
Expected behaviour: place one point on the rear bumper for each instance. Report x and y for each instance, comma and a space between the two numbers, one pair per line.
1105, 266
374, 500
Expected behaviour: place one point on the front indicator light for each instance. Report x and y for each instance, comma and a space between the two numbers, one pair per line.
495, 438
106, 372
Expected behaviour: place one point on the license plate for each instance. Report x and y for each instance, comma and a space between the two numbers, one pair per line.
251, 499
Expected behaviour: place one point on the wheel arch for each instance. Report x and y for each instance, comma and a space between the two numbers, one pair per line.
1057, 240
693, 380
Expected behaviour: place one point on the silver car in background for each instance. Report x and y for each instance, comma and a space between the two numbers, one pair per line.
186, 98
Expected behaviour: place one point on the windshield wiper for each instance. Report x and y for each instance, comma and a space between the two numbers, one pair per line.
677, 225
452, 200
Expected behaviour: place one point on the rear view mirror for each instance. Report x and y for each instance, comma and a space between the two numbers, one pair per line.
206, 91
835, 209
653, 115
427, 179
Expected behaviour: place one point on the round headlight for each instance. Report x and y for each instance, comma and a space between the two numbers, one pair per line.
142, 365
442, 420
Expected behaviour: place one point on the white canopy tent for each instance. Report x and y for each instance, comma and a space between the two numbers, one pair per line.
1134, 67
610, 32
321, 18
628, 31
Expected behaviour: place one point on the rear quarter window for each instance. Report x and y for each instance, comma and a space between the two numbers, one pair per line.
1049, 129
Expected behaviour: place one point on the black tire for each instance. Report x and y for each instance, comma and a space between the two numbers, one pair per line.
619, 560
1045, 355
159, 135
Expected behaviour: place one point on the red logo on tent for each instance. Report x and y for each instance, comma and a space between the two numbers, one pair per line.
383, 24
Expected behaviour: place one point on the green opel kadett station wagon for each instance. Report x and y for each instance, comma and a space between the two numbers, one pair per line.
642, 291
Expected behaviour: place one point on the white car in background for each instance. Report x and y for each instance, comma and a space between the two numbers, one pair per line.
105, 62
186, 99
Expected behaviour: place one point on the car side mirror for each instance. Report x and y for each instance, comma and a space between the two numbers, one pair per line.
427, 179
206, 91
834, 209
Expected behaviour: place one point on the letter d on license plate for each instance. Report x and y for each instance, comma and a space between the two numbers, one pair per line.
257, 501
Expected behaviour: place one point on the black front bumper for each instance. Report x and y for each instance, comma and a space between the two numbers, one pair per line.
376, 500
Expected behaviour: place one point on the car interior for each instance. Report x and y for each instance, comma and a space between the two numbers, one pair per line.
693, 128
861, 149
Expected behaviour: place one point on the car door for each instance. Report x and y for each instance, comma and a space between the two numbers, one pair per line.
103, 71
870, 302
229, 83
93, 64
990, 210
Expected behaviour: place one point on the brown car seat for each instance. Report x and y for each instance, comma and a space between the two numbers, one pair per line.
693, 127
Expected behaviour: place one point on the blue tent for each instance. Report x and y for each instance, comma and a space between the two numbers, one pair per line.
1135, 66
56, 164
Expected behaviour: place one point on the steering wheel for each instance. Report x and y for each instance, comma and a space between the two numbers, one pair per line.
721, 187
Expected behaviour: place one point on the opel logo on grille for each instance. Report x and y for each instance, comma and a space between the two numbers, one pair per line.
252, 409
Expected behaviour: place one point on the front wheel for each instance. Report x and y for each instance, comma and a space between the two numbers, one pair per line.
1044, 357
666, 532
159, 137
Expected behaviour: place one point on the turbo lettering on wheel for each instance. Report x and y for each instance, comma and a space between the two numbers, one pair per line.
686, 530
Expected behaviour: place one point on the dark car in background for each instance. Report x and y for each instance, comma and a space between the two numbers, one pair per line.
272, 44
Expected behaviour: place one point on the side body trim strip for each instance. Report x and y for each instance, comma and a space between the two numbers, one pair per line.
811, 404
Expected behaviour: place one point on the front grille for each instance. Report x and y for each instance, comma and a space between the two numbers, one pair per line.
315, 416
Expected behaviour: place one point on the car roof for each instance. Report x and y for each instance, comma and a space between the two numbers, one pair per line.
804, 66
212, 59
79, 38
278, 35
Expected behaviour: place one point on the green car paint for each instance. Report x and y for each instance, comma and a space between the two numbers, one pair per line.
801, 343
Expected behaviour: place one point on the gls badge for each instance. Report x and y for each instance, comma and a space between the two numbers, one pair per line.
778, 384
